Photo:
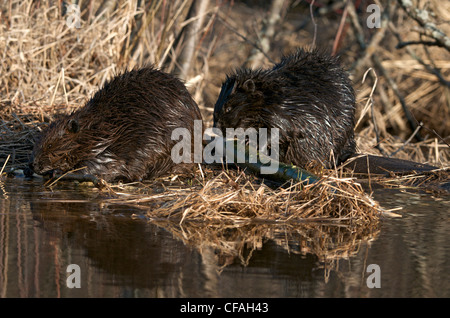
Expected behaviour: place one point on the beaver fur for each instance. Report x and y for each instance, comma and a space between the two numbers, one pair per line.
308, 96
123, 132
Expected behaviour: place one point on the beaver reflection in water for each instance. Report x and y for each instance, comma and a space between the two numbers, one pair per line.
123, 132
307, 96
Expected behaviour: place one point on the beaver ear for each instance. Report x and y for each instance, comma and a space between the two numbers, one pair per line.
249, 86
73, 126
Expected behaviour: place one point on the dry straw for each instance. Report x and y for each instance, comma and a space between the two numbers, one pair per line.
48, 67
231, 242
235, 197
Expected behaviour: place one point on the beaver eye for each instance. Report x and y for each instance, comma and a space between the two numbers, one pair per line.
227, 109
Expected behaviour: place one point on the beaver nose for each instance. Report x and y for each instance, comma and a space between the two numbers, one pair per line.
38, 167
35, 166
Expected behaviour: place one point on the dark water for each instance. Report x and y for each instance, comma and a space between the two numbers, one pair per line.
121, 254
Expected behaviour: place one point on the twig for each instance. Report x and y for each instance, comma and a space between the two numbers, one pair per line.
422, 17
370, 99
401, 45
337, 39
188, 37
431, 69
409, 116
254, 44
375, 41
407, 141
4, 165
314, 23
267, 34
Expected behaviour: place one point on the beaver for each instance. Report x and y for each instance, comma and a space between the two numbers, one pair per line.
308, 96
123, 132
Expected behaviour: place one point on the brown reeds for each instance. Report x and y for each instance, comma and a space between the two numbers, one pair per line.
54, 57
434, 182
234, 214
48, 67
235, 197
239, 241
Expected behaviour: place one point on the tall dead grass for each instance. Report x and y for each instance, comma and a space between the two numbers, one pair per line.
48, 66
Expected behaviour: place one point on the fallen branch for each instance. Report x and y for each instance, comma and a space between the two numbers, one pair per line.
422, 17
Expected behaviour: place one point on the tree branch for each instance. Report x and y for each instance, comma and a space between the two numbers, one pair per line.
422, 17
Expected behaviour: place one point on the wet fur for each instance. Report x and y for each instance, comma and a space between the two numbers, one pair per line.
307, 96
123, 132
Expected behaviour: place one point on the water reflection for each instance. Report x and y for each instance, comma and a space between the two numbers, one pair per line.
42, 232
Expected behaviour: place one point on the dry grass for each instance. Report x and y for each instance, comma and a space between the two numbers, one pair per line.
234, 197
238, 242
431, 151
48, 68
329, 219
434, 182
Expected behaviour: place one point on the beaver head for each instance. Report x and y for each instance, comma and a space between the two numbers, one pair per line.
66, 145
248, 99
255, 99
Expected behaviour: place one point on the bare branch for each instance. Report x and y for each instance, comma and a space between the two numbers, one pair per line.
267, 34
189, 36
401, 45
254, 44
372, 47
409, 116
422, 17
429, 68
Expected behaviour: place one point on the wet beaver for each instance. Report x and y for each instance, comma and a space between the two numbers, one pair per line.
123, 132
307, 96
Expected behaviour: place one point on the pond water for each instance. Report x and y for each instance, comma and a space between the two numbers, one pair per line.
119, 253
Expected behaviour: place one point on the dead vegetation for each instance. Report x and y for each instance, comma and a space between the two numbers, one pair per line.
50, 64
235, 197
234, 214
233, 243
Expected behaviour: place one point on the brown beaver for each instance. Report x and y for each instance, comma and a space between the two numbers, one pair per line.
123, 132
307, 96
